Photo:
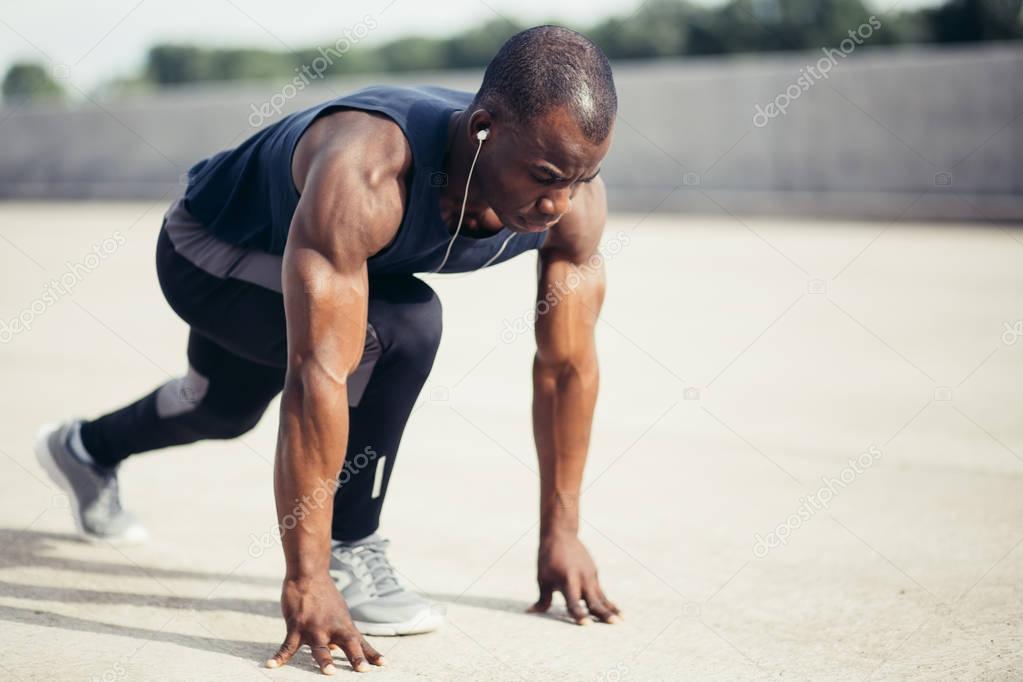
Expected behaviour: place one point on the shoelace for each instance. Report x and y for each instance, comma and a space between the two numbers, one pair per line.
109, 497
377, 572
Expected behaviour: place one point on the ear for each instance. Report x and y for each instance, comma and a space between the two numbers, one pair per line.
480, 120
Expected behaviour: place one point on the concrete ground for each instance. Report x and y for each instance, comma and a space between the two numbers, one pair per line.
743, 365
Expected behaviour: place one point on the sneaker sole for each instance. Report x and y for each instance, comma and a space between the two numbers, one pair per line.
46, 460
414, 626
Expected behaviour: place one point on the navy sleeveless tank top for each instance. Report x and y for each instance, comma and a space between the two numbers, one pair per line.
246, 195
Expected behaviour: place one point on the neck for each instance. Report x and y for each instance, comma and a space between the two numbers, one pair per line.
457, 159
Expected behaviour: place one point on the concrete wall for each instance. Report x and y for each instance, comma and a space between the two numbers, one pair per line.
921, 133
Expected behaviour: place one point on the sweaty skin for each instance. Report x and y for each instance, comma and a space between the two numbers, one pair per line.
351, 169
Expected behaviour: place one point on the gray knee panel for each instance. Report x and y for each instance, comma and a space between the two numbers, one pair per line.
184, 394
181, 395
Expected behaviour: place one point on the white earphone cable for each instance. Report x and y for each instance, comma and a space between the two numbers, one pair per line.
465, 199
499, 252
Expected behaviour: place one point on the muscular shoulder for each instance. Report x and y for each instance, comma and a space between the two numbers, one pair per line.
351, 169
365, 141
577, 235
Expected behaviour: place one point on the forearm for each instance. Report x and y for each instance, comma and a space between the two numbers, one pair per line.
311, 445
564, 396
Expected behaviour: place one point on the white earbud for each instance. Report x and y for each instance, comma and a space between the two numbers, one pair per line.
481, 135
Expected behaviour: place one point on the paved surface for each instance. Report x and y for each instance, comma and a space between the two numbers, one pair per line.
736, 388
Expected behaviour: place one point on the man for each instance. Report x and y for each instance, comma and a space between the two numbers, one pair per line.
292, 259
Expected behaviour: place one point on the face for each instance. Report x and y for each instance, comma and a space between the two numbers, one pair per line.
529, 174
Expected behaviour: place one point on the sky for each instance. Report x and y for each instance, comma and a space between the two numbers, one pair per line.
90, 42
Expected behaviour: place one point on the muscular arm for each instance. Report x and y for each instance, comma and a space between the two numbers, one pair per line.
351, 206
570, 293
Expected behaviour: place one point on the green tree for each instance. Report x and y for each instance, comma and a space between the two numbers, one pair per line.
247, 64
332, 61
959, 21
475, 47
412, 54
659, 28
655, 28
172, 64
770, 25
28, 81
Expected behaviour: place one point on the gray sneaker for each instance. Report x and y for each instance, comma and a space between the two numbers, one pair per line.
92, 491
378, 603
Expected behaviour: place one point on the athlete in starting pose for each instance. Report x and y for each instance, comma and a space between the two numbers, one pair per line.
293, 258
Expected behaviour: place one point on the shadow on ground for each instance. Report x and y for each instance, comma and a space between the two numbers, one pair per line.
37, 549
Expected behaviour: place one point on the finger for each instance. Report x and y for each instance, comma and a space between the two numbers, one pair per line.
374, 656
287, 650
352, 646
544, 603
572, 601
610, 604
321, 654
598, 608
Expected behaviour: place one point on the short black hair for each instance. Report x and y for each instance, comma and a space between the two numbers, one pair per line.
548, 66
